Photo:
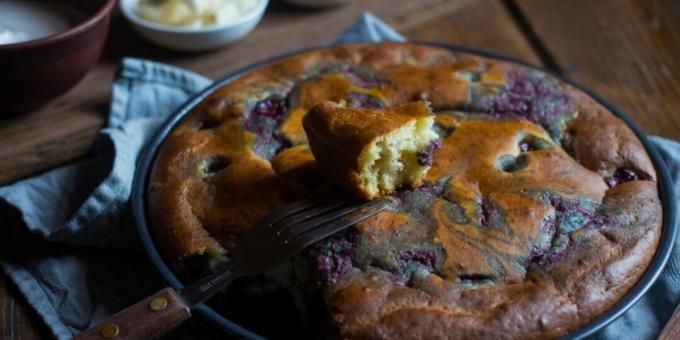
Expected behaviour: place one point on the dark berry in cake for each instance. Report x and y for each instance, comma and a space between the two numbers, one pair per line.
425, 157
264, 120
530, 96
622, 175
488, 212
412, 260
332, 258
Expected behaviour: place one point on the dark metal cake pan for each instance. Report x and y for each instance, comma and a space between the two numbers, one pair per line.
147, 158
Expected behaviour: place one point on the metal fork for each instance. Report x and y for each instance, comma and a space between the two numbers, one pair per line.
270, 241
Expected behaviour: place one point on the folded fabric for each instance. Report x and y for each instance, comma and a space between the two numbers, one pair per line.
70, 244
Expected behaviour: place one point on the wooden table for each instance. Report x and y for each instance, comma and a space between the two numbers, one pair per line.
628, 51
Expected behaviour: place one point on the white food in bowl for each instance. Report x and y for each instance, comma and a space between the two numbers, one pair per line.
192, 38
22, 21
194, 13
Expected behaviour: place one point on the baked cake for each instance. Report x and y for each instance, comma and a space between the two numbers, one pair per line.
540, 210
372, 151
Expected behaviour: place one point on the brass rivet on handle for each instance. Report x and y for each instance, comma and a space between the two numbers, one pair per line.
158, 304
110, 330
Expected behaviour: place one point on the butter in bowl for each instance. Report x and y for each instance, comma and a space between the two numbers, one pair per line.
193, 25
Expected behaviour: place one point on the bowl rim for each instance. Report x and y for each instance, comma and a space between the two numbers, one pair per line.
126, 8
664, 185
87, 24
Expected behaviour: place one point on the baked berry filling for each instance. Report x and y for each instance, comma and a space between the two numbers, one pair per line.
622, 175
559, 246
570, 216
420, 198
333, 257
413, 261
264, 120
488, 212
270, 110
535, 98
426, 157
542, 244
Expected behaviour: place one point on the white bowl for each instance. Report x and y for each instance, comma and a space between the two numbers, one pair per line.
192, 39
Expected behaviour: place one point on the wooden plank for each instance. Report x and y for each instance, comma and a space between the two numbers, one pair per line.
672, 329
489, 27
66, 128
17, 320
624, 50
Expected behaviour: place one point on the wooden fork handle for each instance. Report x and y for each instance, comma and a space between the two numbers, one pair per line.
151, 318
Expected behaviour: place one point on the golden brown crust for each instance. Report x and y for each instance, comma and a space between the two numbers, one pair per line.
517, 237
603, 143
297, 164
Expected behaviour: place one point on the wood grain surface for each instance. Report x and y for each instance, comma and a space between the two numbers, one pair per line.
17, 319
672, 329
625, 50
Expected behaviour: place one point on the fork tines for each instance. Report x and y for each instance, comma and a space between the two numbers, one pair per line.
320, 219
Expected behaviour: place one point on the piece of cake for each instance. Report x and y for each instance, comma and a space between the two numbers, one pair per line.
371, 152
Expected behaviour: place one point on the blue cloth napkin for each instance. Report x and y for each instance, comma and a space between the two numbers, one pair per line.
68, 238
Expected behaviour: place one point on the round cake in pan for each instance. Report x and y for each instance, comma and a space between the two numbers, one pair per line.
540, 210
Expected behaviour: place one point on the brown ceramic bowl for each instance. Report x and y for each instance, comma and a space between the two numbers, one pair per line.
34, 72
